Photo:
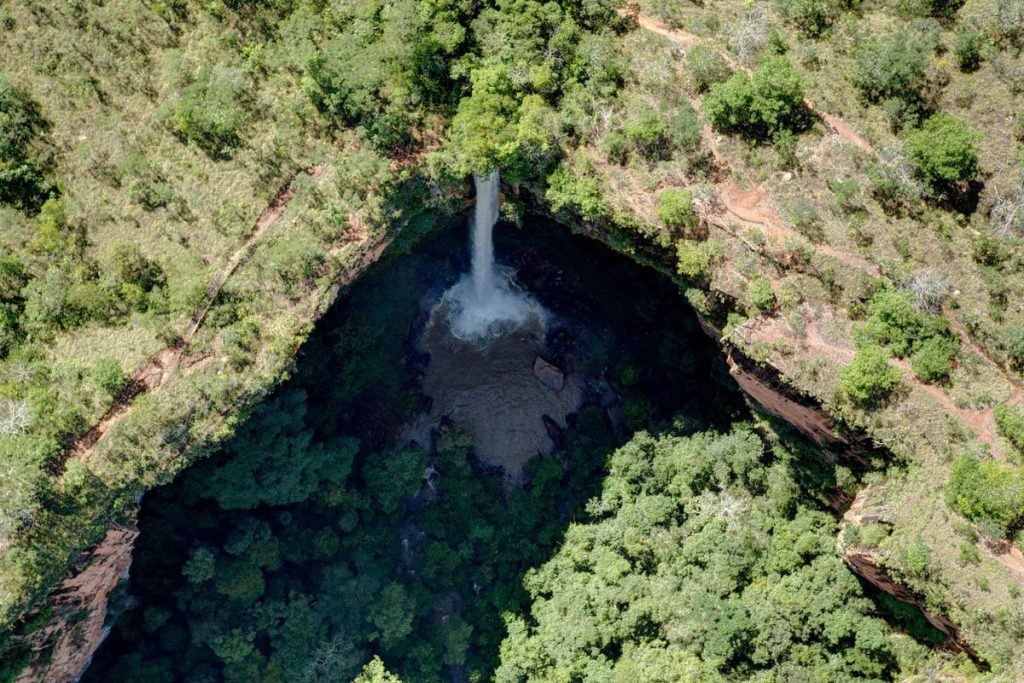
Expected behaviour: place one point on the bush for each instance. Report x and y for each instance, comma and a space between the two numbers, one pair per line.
770, 100
869, 378
694, 259
647, 132
894, 69
653, 135
675, 209
761, 294
21, 178
985, 490
208, 110
1010, 425
892, 322
933, 360
109, 376
1014, 342
1010, 23
942, 9
706, 67
812, 17
944, 151
967, 48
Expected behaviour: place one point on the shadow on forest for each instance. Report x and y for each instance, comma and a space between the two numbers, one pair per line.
315, 539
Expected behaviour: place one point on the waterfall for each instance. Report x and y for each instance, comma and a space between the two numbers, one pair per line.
486, 215
487, 302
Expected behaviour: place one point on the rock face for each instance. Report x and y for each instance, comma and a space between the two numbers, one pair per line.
80, 611
863, 561
549, 375
809, 420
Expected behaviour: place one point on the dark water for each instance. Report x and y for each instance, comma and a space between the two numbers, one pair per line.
384, 500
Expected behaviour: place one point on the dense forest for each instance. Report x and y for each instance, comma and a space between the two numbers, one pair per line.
834, 187
701, 549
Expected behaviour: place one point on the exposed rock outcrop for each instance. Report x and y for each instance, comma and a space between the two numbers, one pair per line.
549, 375
79, 622
865, 561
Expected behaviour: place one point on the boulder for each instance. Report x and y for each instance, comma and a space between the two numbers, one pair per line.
549, 375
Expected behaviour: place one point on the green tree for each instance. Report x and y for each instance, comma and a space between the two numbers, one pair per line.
892, 70
985, 490
272, 459
868, 378
933, 359
766, 102
392, 614
374, 672
944, 151
675, 209
22, 183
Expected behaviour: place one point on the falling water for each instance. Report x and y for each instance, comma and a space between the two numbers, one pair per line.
487, 302
485, 217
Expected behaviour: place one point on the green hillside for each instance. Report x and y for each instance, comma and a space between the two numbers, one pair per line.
837, 189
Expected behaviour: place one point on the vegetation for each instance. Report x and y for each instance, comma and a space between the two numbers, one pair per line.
1010, 425
892, 71
869, 378
986, 490
140, 142
895, 324
675, 209
944, 151
761, 105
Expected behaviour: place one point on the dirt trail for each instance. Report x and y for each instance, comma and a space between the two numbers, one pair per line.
679, 37
163, 364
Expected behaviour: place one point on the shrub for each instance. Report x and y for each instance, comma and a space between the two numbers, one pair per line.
21, 178
706, 67
130, 266
761, 294
933, 360
769, 100
892, 322
208, 112
967, 48
1010, 425
1010, 22
894, 69
869, 378
647, 131
944, 151
918, 558
985, 490
694, 259
943, 9
1014, 342
929, 287
812, 17
675, 209
109, 376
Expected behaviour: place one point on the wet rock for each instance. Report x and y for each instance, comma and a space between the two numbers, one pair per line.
549, 375
555, 432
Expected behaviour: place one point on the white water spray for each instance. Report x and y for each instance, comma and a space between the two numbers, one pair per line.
484, 220
487, 302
